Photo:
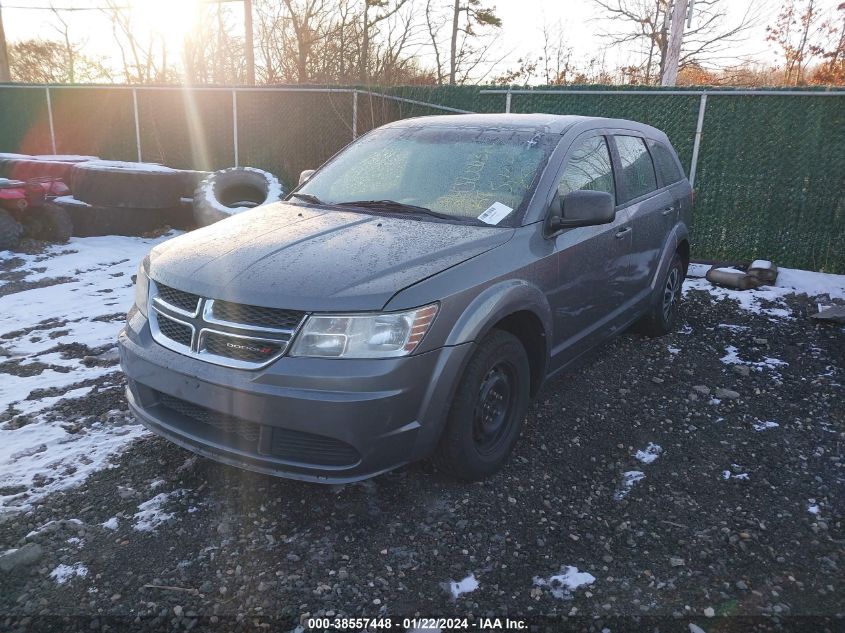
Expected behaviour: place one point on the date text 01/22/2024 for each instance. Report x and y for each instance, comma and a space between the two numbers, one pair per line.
409, 624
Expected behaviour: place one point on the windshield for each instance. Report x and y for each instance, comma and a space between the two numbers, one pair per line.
457, 172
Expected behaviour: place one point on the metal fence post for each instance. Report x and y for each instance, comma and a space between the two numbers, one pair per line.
50, 118
354, 114
702, 104
235, 125
508, 101
137, 123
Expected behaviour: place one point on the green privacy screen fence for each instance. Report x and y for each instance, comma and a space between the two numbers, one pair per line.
769, 165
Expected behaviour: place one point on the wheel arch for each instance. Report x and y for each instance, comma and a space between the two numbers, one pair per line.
517, 307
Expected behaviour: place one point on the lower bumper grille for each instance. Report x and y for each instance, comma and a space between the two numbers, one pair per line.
220, 421
284, 444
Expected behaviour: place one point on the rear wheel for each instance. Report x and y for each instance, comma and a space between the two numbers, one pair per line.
662, 316
487, 412
10, 231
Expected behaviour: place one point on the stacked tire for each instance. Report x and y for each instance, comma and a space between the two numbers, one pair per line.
120, 198
231, 191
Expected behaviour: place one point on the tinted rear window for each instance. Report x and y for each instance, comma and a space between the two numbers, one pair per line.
664, 162
637, 169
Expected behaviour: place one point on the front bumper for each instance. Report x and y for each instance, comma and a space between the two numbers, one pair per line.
324, 420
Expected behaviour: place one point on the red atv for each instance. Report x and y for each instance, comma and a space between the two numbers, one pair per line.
26, 209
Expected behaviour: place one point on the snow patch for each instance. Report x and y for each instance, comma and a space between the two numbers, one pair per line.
467, 585
813, 508
569, 579
86, 307
628, 480
111, 524
732, 357
151, 514
64, 573
762, 426
649, 454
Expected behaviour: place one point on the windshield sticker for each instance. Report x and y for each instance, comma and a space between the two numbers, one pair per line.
495, 213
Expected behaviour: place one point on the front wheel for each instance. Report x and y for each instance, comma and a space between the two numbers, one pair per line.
663, 312
487, 411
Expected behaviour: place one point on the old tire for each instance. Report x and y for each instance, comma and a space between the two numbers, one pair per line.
50, 223
10, 231
487, 411
230, 191
28, 168
126, 185
662, 316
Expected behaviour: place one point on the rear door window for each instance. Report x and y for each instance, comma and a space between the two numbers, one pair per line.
638, 178
664, 162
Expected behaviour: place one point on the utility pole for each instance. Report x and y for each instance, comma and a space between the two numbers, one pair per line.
249, 44
676, 38
5, 75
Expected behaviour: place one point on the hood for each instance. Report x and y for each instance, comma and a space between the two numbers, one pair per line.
302, 258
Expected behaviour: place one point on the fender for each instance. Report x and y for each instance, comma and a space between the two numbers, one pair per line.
495, 303
678, 234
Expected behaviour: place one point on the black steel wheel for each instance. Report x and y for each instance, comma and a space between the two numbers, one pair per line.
488, 408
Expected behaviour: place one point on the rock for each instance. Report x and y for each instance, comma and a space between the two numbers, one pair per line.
26, 555
676, 562
656, 380
703, 390
709, 612
761, 341
177, 611
742, 370
723, 393
740, 584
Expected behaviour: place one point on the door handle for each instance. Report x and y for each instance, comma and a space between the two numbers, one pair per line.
622, 232
668, 210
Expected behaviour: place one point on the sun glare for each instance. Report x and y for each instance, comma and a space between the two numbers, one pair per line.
170, 19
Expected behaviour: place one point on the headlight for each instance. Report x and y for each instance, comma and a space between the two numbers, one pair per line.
384, 335
142, 290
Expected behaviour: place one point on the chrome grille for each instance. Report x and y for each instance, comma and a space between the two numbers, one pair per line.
220, 332
256, 315
175, 331
180, 299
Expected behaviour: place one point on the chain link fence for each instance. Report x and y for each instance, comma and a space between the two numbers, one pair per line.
768, 166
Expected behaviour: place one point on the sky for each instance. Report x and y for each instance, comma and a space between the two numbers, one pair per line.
580, 21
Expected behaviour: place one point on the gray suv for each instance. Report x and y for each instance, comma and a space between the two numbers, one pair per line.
410, 297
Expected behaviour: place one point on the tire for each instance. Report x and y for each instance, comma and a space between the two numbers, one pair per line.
230, 191
487, 411
50, 223
10, 231
126, 185
28, 168
191, 180
662, 316
92, 221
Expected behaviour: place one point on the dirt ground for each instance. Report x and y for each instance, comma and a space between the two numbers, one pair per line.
689, 483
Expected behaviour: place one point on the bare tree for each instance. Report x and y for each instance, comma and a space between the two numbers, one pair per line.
46, 61
642, 27
212, 52
141, 62
800, 32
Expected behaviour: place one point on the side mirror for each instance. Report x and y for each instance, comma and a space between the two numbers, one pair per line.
305, 175
581, 208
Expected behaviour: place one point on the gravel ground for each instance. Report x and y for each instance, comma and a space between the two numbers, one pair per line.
730, 517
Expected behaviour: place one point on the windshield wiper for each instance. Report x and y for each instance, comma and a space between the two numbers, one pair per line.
307, 197
393, 205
